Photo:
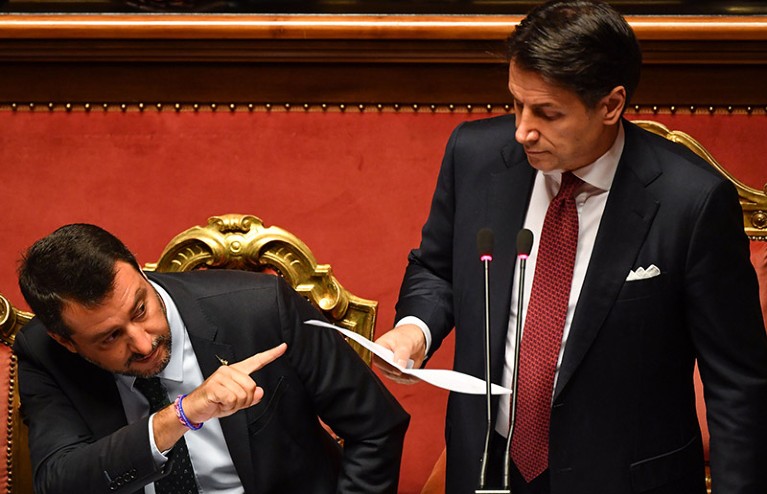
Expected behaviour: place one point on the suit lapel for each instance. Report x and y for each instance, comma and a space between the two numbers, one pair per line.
509, 197
235, 426
628, 215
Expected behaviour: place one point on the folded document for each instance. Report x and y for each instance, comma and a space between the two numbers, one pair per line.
442, 378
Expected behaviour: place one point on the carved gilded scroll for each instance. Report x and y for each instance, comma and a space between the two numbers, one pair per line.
11, 321
237, 241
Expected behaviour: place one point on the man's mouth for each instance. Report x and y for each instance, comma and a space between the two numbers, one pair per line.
146, 357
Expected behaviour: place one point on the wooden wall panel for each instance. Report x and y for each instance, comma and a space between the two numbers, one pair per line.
345, 59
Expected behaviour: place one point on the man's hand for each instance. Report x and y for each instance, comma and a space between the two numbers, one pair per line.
225, 392
407, 342
230, 388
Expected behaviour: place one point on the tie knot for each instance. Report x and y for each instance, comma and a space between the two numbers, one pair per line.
569, 183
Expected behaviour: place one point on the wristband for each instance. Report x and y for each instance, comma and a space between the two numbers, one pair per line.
182, 417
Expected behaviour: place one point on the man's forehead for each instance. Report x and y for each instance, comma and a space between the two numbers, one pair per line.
531, 88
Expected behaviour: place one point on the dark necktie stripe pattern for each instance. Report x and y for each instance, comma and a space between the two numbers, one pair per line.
181, 478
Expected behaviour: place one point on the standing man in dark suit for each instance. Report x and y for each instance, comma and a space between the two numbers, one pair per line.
110, 348
654, 276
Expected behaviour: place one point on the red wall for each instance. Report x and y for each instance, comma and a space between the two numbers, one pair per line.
355, 186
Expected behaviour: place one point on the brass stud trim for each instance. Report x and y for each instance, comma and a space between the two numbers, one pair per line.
490, 108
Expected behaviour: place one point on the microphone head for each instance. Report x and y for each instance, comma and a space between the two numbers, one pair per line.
485, 240
524, 243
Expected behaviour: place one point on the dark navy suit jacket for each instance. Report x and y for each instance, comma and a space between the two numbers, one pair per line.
623, 418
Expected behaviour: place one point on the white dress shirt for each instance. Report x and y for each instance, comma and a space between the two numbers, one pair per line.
210, 457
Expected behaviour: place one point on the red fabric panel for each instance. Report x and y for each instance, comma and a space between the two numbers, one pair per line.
355, 186
735, 140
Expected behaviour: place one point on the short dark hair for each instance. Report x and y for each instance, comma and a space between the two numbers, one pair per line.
585, 46
74, 263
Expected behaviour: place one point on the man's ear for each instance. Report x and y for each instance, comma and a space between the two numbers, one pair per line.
613, 104
63, 341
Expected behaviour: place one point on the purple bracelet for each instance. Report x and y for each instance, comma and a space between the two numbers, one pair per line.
182, 417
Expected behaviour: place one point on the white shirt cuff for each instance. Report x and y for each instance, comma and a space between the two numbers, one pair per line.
160, 457
422, 325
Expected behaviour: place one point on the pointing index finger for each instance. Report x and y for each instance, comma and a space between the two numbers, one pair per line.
260, 360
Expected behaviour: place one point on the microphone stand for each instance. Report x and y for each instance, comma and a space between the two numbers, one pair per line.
515, 379
486, 257
483, 471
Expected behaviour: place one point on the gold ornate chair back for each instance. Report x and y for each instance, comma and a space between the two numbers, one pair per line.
231, 241
235, 241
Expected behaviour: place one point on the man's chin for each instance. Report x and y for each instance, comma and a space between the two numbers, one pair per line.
541, 161
135, 369
143, 373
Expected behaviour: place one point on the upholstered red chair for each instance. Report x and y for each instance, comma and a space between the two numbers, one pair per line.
754, 204
231, 241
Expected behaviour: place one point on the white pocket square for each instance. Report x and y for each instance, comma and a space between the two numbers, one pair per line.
643, 274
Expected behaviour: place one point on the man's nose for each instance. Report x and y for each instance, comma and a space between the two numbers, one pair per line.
525, 133
140, 341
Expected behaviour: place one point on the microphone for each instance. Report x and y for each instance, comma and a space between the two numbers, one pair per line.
524, 246
524, 243
485, 241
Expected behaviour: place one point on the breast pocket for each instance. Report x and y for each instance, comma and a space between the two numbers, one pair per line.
640, 289
666, 468
264, 411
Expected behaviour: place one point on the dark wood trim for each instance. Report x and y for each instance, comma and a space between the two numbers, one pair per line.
677, 28
352, 58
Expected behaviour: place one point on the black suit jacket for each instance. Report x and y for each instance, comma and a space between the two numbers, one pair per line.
623, 418
80, 441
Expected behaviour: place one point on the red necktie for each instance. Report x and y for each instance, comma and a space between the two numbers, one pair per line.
544, 323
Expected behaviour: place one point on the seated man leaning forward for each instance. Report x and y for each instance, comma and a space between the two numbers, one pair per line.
242, 381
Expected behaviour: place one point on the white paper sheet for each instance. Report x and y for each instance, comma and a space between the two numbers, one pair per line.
442, 378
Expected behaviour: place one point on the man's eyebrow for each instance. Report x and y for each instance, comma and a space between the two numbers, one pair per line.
544, 105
